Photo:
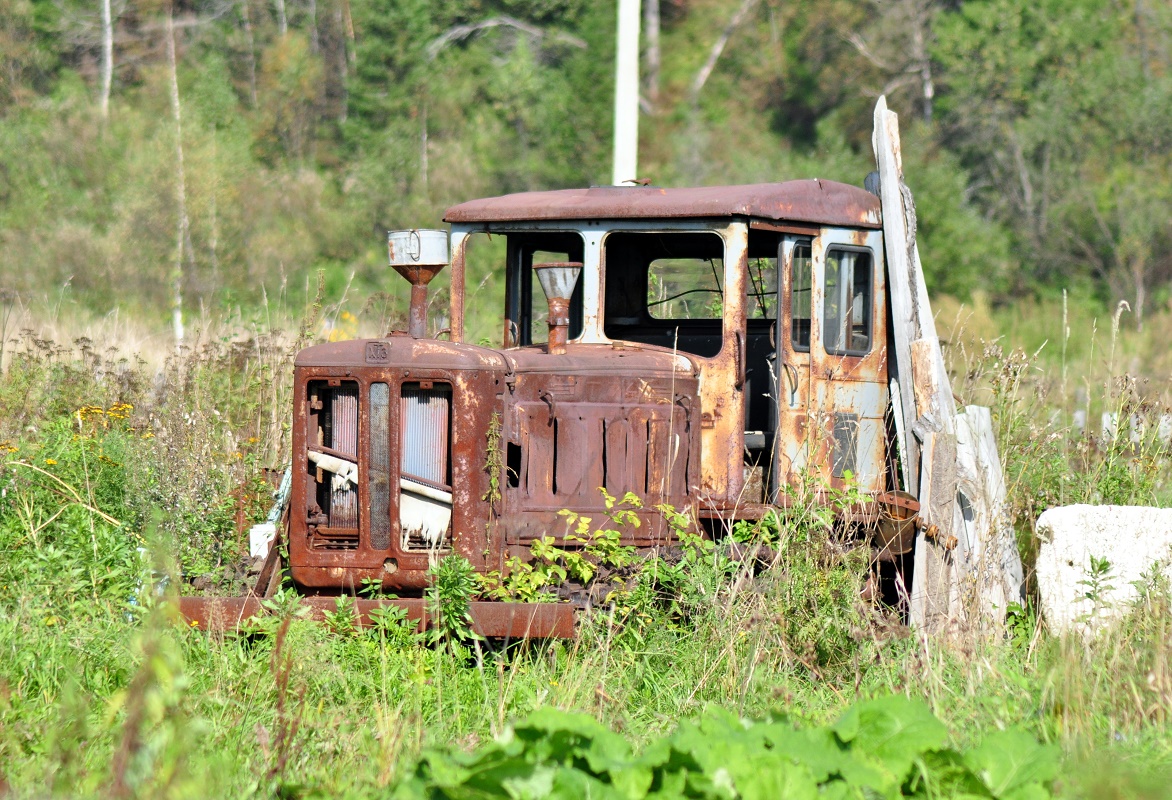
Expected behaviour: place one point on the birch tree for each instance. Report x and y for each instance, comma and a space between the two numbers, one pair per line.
651, 54
182, 224
107, 57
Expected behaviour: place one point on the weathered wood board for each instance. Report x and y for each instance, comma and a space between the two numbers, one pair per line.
960, 558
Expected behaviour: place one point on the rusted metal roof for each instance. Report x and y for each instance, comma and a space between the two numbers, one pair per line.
814, 200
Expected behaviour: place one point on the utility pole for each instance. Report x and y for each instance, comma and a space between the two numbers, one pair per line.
626, 94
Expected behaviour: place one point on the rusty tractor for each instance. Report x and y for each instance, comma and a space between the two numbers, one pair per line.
706, 348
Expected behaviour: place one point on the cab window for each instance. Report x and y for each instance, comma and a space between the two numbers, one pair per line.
666, 289
846, 321
801, 290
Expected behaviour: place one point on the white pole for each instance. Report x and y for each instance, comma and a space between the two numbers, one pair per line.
626, 94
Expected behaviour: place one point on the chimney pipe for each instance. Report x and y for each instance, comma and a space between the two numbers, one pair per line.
418, 255
557, 280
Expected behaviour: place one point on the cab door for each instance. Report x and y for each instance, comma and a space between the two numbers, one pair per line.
832, 358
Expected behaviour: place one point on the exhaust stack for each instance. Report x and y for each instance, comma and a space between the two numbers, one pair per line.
557, 280
418, 255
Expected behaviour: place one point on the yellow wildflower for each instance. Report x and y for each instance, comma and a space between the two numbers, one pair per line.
120, 410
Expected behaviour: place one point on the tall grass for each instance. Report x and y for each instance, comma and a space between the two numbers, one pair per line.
122, 474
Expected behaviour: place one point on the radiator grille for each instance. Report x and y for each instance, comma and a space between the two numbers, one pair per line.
332, 481
380, 467
425, 500
426, 421
343, 437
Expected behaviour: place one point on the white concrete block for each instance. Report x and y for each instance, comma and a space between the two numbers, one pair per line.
1108, 427
1131, 538
1164, 428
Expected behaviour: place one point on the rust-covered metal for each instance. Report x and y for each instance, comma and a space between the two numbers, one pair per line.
596, 416
817, 201
489, 619
408, 449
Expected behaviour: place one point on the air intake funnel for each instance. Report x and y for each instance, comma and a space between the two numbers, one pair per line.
418, 255
557, 280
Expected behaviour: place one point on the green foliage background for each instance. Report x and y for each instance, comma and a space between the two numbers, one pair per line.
1036, 135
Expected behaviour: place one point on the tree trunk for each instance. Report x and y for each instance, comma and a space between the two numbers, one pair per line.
183, 233
651, 54
215, 213
251, 52
351, 52
921, 33
1139, 273
423, 146
107, 57
343, 59
282, 22
718, 48
314, 39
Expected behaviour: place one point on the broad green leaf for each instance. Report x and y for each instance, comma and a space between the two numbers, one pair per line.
536, 785
1011, 760
816, 749
669, 785
444, 771
771, 776
945, 774
413, 788
841, 790
573, 784
890, 731
1032, 791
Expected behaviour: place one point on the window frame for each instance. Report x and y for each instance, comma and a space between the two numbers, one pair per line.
522, 290
869, 304
809, 243
715, 271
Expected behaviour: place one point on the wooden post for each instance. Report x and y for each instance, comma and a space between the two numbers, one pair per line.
993, 568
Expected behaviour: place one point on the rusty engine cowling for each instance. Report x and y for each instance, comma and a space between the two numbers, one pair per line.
408, 449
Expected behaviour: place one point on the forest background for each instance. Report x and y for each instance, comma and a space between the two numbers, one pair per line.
211, 156
240, 161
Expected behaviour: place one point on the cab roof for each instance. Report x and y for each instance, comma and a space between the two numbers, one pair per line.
808, 201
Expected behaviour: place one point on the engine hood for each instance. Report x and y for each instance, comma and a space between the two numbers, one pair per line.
399, 351
646, 361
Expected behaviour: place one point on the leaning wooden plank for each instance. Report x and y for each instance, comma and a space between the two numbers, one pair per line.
899, 289
927, 405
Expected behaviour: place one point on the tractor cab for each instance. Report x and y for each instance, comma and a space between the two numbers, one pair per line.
773, 292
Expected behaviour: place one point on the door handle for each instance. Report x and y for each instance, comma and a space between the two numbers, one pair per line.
739, 340
791, 374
